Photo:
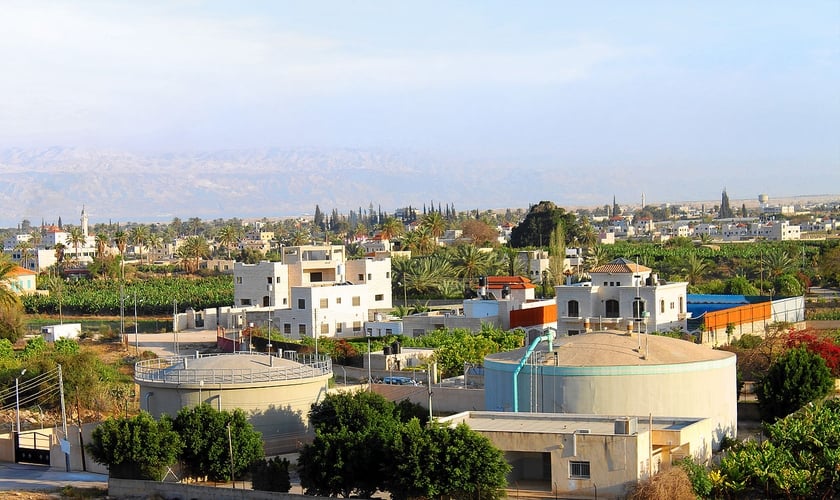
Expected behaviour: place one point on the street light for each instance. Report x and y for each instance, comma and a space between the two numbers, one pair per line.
136, 332
17, 398
405, 294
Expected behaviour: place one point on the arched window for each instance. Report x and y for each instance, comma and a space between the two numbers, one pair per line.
611, 309
681, 306
662, 306
574, 309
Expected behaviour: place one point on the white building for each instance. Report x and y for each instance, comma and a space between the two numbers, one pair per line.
610, 301
315, 290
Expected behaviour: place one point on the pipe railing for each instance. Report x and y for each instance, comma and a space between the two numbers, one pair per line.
176, 370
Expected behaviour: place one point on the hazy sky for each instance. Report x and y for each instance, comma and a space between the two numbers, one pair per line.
685, 87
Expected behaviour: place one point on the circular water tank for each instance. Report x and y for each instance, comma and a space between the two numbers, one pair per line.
763, 198
604, 373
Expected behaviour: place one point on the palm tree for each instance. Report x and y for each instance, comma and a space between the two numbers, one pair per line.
120, 239
35, 237
59, 254
155, 242
695, 268
228, 236
76, 237
102, 242
7, 296
192, 251
425, 274
777, 262
25, 248
391, 228
595, 256
435, 224
509, 263
139, 236
300, 237
469, 262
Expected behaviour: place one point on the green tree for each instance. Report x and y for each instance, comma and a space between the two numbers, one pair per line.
739, 285
204, 431
192, 250
7, 295
7, 349
346, 457
227, 237
696, 268
76, 237
469, 262
787, 285
66, 347
139, 236
540, 221
271, 475
135, 448
793, 380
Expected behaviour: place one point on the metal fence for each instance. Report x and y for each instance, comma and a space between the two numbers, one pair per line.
176, 370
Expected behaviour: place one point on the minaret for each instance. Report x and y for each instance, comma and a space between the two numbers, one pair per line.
84, 222
643, 201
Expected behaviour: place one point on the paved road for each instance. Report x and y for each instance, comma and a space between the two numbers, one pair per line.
26, 477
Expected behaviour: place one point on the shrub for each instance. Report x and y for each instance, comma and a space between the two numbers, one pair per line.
672, 484
271, 475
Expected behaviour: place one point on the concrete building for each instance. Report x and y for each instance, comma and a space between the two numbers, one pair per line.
21, 281
591, 456
275, 392
314, 290
615, 373
622, 295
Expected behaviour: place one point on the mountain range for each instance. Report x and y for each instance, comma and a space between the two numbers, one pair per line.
44, 184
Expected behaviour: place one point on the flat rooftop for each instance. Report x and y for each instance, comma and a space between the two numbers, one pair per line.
560, 423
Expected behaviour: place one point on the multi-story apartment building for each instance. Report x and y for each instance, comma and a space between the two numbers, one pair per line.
316, 290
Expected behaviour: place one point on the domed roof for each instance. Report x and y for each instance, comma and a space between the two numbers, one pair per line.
612, 348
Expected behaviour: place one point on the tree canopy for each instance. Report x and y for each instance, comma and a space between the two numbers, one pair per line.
795, 379
135, 448
364, 443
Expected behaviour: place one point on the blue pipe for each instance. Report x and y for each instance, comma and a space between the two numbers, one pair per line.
548, 337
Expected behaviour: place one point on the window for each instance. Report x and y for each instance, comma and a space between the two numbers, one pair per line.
325, 303
574, 309
611, 309
389, 331
338, 300
316, 277
379, 296
578, 470
662, 306
357, 326
268, 279
325, 328
672, 306
301, 330
605, 283
370, 276
239, 280
245, 302
387, 274
572, 333
361, 277
339, 327
681, 306
357, 301
287, 328
285, 301
301, 303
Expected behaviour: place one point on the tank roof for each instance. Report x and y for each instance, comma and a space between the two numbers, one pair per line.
240, 361
613, 348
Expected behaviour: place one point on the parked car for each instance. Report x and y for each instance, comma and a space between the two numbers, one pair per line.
399, 381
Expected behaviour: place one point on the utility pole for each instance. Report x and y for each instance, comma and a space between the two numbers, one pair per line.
65, 445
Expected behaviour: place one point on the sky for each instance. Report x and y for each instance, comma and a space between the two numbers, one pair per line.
735, 92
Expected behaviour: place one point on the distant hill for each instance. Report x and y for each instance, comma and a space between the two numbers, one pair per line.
47, 183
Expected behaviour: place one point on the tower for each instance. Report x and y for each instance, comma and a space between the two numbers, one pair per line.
84, 222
